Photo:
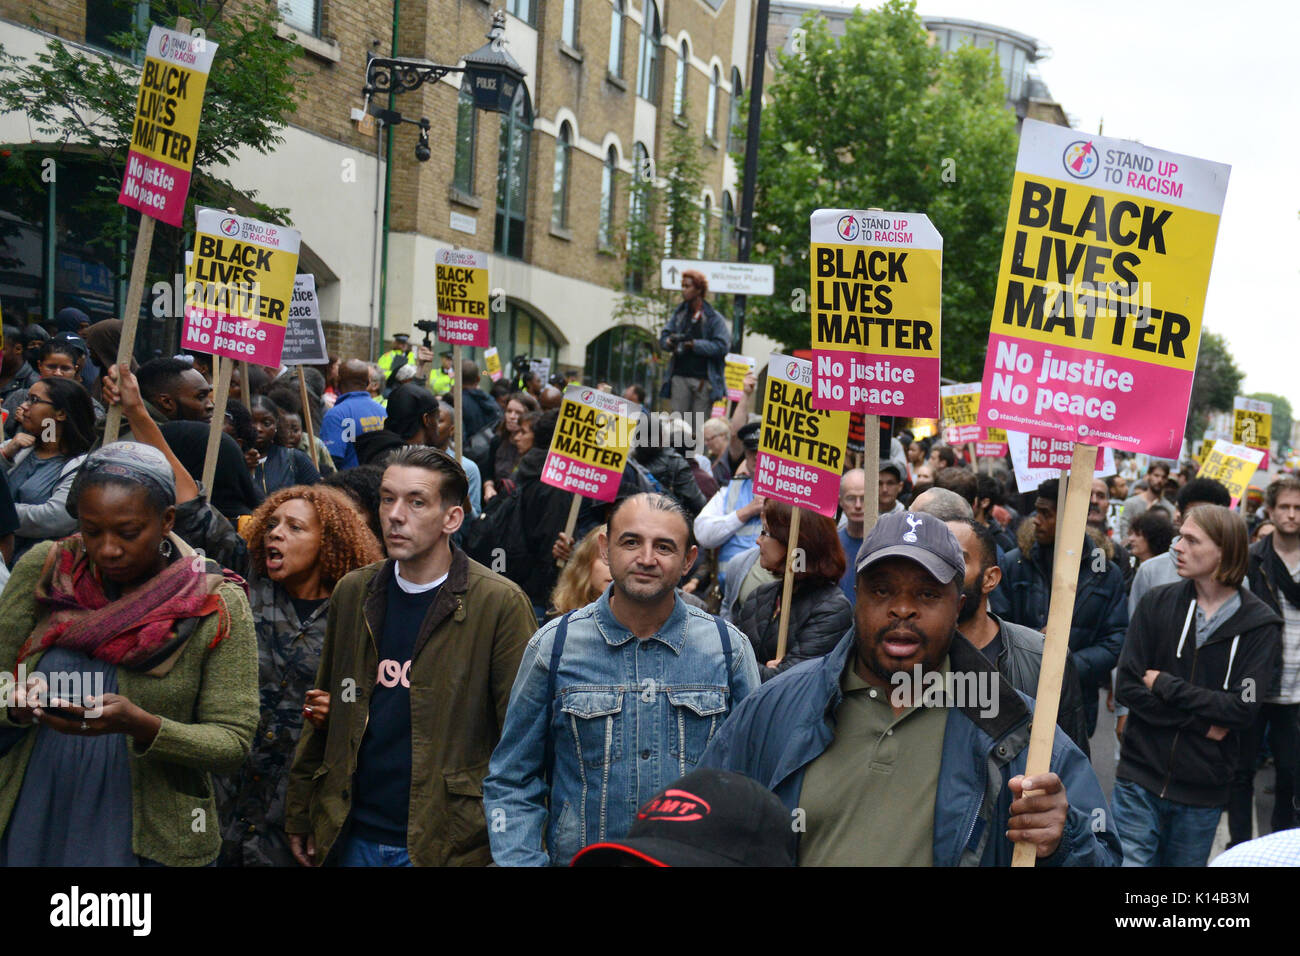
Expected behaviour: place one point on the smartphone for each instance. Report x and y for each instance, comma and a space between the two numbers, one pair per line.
67, 714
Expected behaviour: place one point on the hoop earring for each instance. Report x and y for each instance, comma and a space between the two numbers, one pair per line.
165, 548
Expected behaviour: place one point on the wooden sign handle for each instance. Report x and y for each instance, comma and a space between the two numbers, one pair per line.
572, 523
791, 550
1065, 576
227, 367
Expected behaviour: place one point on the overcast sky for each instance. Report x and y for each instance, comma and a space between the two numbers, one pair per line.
1212, 80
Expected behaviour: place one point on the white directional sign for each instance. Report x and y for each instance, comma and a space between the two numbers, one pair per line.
747, 278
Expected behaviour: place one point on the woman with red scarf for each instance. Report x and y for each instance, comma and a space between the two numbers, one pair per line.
136, 678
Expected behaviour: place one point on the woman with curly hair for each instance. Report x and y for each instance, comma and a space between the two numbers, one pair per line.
301, 541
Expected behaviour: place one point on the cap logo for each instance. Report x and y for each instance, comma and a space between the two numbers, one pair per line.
676, 806
914, 521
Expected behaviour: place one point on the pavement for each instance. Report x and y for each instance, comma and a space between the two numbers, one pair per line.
1105, 756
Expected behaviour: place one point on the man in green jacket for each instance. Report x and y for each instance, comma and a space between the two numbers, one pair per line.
419, 657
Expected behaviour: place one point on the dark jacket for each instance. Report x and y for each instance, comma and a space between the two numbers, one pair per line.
819, 616
777, 731
1020, 661
714, 346
545, 510
463, 665
1259, 575
673, 472
1100, 612
1220, 684
480, 411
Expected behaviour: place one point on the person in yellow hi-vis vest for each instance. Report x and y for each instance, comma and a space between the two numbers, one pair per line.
402, 347
441, 379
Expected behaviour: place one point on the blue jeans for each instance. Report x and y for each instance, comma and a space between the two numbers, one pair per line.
359, 852
1154, 831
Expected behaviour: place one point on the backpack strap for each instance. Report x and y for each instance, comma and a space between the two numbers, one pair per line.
725, 636
557, 650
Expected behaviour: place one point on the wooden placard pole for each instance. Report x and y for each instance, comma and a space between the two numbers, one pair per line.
1061, 487
134, 295
791, 556
870, 472
306, 415
1065, 574
224, 370
571, 524
974, 459
458, 406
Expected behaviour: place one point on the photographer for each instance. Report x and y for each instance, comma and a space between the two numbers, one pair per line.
699, 339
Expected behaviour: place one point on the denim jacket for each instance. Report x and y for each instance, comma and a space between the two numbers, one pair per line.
629, 717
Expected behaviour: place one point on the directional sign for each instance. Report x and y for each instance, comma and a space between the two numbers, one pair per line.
746, 278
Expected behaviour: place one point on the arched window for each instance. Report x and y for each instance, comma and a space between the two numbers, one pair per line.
512, 176
647, 75
679, 88
711, 117
523, 9
518, 331
605, 234
727, 241
569, 23
616, 40
735, 138
466, 138
560, 185
706, 216
623, 356
636, 196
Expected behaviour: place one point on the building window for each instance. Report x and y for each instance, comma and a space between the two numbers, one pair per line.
302, 15
727, 239
569, 23
647, 76
735, 138
519, 332
623, 356
560, 186
104, 20
466, 138
523, 9
616, 40
706, 216
711, 117
512, 177
679, 87
606, 231
636, 197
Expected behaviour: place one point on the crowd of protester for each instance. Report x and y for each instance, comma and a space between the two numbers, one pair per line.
355, 649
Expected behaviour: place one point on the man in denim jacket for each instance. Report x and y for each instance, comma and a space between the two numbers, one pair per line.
642, 684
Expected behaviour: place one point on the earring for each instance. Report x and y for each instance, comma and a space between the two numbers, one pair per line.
165, 548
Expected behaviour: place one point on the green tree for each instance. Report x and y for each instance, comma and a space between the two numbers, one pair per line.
881, 118
1216, 384
84, 103
1282, 417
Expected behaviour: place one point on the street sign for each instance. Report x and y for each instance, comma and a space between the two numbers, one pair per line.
746, 278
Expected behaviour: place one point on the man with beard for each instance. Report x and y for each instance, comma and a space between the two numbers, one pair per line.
615, 700
873, 773
1016, 651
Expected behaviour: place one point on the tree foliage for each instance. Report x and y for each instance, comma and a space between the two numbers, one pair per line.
85, 102
1216, 384
883, 119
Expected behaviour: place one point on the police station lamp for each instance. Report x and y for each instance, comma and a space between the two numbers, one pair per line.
493, 74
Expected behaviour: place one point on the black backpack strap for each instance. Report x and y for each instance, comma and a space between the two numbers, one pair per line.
557, 649
725, 636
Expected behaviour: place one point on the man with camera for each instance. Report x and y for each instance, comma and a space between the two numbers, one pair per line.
699, 339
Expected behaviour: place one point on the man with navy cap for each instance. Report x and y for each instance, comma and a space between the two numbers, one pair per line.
904, 746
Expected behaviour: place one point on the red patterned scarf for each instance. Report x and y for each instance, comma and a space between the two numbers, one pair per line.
137, 631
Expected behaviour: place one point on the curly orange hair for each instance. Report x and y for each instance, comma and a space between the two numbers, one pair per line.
346, 542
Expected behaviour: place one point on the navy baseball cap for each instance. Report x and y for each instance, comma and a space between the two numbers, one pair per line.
918, 537
707, 818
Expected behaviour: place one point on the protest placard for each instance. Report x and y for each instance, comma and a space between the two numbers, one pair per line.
993, 444
1232, 465
492, 359
736, 368
542, 368
1252, 424
304, 336
801, 448
876, 281
719, 409
856, 443
160, 159
592, 437
1097, 311
462, 287
961, 406
242, 287
1047, 459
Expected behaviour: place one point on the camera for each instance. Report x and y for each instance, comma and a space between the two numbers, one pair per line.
676, 342
428, 327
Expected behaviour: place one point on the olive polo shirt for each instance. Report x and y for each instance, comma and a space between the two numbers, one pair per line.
869, 797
